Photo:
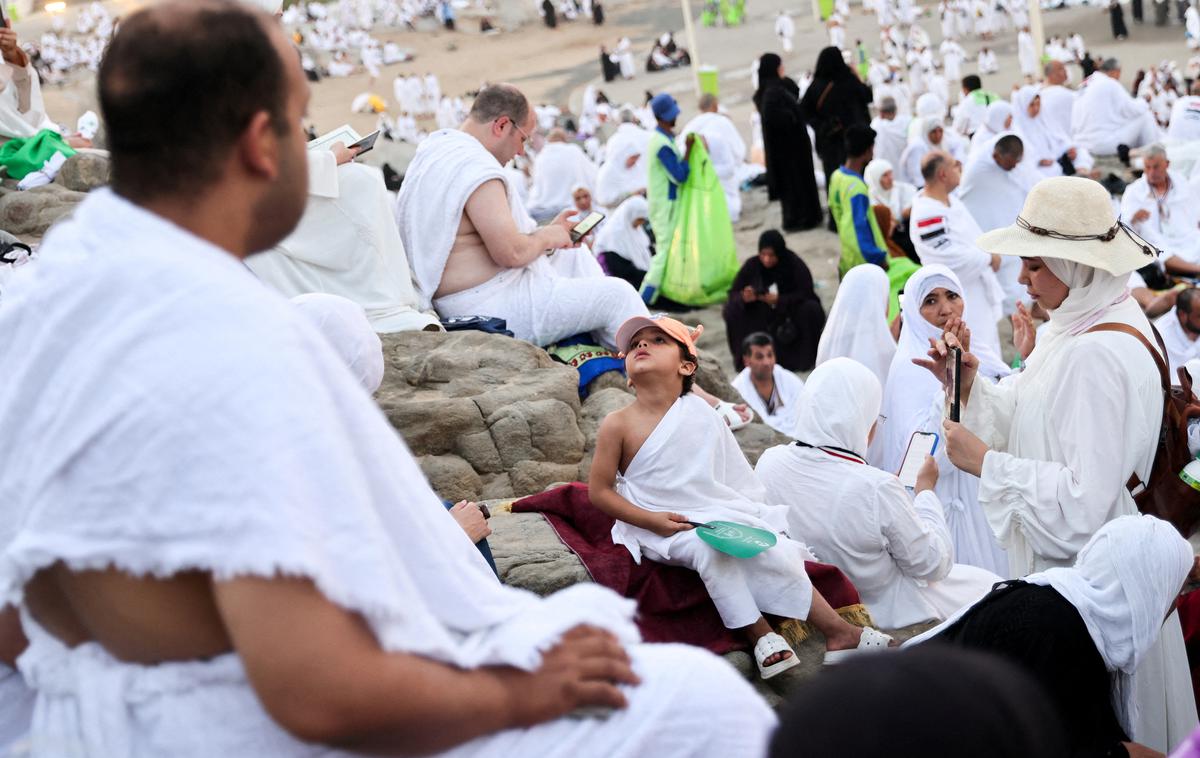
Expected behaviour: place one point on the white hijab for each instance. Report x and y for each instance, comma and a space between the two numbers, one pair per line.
839, 404
344, 325
1038, 133
619, 235
857, 327
1123, 584
899, 197
1093, 293
910, 389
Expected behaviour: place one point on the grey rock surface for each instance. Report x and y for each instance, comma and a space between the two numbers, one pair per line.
84, 172
32, 212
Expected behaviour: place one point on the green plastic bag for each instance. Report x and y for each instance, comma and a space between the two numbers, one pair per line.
697, 265
24, 156
899, 270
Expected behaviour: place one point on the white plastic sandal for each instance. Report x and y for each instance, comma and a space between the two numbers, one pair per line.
731, 416
872, 641
767, 646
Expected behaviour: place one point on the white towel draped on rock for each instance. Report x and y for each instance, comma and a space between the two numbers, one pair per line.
448, 167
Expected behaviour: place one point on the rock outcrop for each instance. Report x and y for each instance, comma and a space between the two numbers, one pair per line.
492, 417
84, 172
32, 212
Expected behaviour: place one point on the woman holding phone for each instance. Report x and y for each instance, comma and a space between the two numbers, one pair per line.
1055, 445
913, 402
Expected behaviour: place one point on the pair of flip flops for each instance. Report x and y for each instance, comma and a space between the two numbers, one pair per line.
872, 641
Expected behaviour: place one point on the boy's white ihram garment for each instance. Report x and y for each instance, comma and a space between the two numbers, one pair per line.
218, 397
691, 464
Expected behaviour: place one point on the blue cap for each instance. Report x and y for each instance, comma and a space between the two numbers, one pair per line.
664, 106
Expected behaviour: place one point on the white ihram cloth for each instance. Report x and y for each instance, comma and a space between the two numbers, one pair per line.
558, 168
857, 326
1105, 115
344, 325
22, 110
1174, 220
1039, 135
788, 387
1180, 348
728, 152
1185, 119
618, 234
614, 181
691, 464
16, 712
946, 234
913, 401
995, 122
551, 298
217, 474
1122, 583
891, 137
896, 549
346, 244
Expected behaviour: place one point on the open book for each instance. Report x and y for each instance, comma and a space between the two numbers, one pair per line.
344, 134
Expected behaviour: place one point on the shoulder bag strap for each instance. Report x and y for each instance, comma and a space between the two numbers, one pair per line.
824, 94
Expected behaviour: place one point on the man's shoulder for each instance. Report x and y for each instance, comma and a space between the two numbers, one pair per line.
787, 378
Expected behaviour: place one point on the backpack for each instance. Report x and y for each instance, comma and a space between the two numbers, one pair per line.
1165, 495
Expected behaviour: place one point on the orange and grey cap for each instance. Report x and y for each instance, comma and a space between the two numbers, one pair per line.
673, 328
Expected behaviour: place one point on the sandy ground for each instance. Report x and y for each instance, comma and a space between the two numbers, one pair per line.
554, 66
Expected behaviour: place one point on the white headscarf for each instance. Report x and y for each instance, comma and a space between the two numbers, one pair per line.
1093, 291
910, 389
344, 324
994, 124
619, 235
838, 406
1123, 584
1041, 138
857, 327
899, 197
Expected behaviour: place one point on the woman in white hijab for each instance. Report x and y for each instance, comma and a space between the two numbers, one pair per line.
623, 236
624, 169
913, 401
929, 136
997, 119
896, 549
1122, 585
1055, 445
1044, 145
857, 326
887, 190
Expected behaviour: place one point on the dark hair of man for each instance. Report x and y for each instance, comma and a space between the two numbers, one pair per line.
930, 165
177, 89
1185, 301
497, 100
972, 82
756, 339
859, 139
1010, 146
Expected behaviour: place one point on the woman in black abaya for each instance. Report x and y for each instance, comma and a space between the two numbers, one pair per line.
790, 178
773, 293
835, 101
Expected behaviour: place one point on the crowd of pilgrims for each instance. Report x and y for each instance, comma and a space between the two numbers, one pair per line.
1016, 537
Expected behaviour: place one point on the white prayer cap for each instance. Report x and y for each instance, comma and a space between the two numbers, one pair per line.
344, 325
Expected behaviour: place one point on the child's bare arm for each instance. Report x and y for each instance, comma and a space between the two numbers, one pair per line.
603, 475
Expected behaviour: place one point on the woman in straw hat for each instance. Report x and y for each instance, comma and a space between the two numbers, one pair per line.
1054, 445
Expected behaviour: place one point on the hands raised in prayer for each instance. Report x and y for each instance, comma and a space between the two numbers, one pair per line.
666, 524
1024, 332
470, 517
1141, 215
582, 671
9, 48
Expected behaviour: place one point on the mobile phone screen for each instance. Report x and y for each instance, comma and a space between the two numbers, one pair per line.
580, 230
366, 143
920, 445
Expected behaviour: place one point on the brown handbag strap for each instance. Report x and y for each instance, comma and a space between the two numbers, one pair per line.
1135, 481
824, 94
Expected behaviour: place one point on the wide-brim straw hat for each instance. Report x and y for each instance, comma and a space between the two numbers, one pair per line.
1071, 218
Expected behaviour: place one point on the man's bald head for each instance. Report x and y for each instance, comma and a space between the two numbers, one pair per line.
1055, 72
178, 85
940, 170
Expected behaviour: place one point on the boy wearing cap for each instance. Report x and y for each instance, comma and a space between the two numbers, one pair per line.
668, 459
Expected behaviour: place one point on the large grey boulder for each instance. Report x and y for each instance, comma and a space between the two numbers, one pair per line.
32, 212
84, 172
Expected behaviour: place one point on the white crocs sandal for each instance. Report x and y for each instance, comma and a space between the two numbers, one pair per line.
731, 416
768, 645
872, 641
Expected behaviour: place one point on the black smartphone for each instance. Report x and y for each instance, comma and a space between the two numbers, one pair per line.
365, 144
580, 230
954, 367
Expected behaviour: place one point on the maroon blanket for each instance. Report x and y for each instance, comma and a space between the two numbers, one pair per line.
673, 605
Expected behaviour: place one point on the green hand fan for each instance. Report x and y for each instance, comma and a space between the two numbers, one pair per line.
738, 540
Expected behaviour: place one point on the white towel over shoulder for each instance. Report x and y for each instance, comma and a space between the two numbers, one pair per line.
448, 167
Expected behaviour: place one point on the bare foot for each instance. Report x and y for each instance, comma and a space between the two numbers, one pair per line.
844, 640
774, 658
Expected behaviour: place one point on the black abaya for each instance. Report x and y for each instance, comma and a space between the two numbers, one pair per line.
1117, 16
846, 103
790, 177
794, 322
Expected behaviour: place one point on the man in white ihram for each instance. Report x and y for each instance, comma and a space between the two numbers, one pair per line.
474, 250
557, 169
1106, 116
1162, 208
726, 148
190, 583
